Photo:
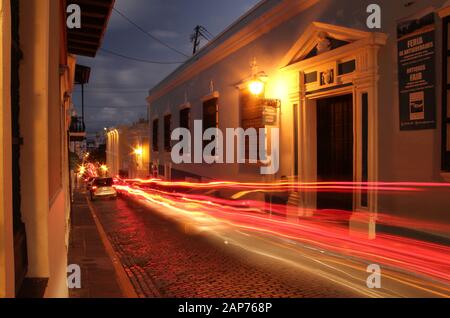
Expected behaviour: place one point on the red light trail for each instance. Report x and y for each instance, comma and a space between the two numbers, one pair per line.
324, 229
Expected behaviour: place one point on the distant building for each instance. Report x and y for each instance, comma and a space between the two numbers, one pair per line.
138, 139
91, 145
100, 139
117, 152
347, 105
128, 150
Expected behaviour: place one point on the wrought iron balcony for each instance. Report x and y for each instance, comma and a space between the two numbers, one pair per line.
77, 131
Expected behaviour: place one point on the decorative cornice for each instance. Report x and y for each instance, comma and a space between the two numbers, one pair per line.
185, 105
213, 95
310, 39
372, 40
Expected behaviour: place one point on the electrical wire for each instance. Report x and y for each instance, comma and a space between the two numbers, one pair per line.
206, 31
137, 59
117, 107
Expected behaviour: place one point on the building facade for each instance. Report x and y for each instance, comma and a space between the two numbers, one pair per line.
138, 139
128, 151
118, 152
346, 105
37, 77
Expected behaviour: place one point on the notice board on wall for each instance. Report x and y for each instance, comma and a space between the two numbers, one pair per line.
416, 73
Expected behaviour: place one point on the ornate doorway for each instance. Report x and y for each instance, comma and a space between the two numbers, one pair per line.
335, 149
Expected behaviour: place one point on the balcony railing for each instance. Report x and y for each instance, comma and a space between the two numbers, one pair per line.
77, 130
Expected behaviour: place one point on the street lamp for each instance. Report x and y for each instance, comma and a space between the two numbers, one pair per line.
138, 151
104, 169
82, 170
256, 87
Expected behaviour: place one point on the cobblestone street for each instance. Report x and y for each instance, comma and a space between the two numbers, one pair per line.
162, 260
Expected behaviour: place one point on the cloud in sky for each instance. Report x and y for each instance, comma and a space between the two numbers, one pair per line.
118, 86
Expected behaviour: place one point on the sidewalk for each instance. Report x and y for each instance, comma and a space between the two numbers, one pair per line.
86, 249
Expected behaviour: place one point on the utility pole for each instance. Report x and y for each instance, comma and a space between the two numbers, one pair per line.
195, 38
199, 31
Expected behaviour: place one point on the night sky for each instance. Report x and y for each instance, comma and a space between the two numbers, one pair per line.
118, 87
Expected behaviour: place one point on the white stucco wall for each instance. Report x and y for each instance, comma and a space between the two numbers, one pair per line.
403, 155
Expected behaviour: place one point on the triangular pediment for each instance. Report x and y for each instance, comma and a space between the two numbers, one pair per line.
320, 38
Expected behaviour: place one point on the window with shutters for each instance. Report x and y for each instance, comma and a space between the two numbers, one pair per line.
19, 231
185, 118
155, 136
210, 116
446, 97
167, 132
251, 107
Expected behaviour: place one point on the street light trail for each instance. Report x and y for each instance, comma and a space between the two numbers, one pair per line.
331, 215
410, 186
326, 230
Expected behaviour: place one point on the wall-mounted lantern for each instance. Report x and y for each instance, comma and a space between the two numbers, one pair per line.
256, 86
138, 151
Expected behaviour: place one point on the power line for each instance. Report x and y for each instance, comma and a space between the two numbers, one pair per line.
148, 34
124, 107
117, 89
206, 34
137, 59
106, 84
112, 91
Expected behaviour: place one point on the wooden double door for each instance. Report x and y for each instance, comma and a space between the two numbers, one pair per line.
335, 150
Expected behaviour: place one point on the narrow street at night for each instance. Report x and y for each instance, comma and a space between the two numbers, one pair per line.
167, 257
215, 157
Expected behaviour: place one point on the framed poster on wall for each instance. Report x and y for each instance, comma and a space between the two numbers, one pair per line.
416, 73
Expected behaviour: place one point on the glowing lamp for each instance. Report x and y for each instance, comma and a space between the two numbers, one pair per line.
138, 151
104, 168
256, 87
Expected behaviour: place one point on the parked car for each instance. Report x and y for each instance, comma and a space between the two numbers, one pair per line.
103, 188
